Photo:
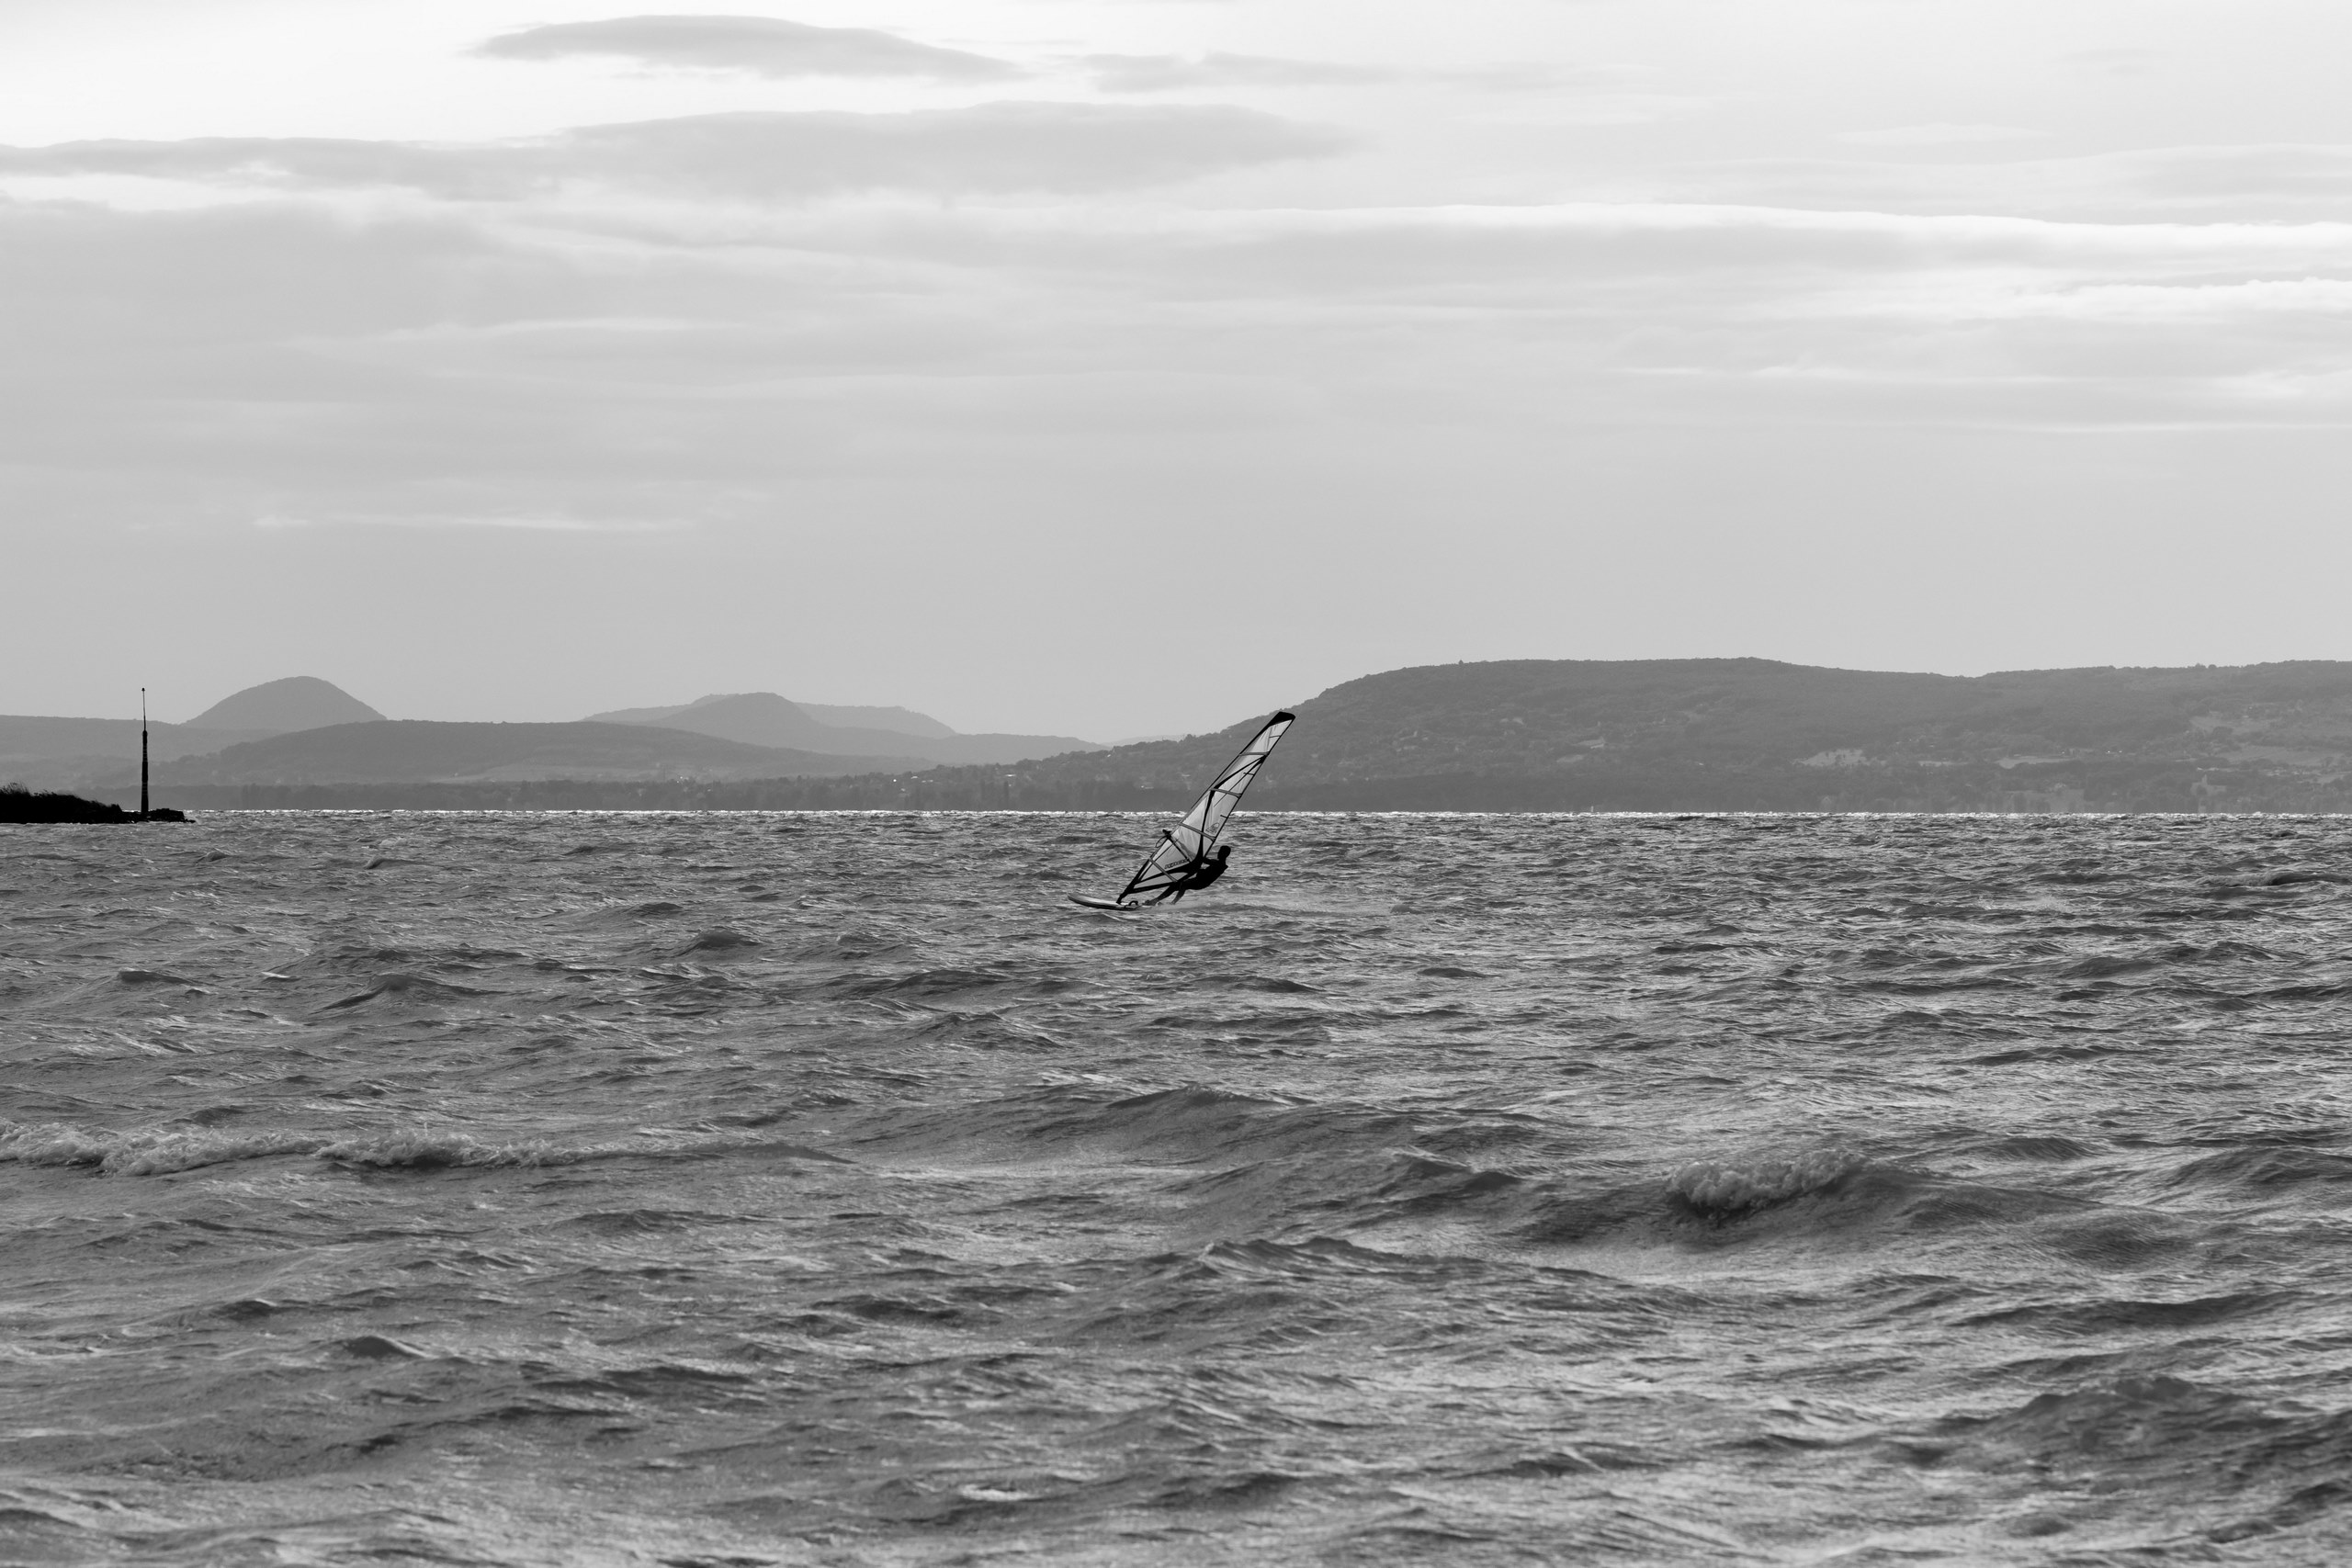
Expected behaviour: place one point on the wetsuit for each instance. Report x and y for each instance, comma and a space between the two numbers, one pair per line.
1199, 873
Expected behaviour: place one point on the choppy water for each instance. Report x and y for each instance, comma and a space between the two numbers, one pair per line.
518, 1188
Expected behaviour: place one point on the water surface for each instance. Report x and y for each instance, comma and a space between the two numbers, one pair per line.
739, 1188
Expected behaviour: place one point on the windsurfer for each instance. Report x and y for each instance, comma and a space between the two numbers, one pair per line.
1181, 860
1198, 873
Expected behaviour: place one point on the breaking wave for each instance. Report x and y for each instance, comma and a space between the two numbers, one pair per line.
1727, 1188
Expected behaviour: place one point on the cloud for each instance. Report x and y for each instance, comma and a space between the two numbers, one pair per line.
762, 46
542, 372
2301, 298
999, 147
993, 147
2319, 170
297, 162
445, 438
526, 523
2115, 62
1499, 253
1163, 73
2248, 182
1172, 73
1940, 135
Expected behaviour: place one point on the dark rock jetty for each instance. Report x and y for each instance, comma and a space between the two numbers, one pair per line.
18, 804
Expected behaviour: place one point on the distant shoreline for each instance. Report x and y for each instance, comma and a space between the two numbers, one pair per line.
2080, 788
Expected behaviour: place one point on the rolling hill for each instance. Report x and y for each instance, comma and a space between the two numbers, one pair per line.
66, 753
1695, 735
763, 718
280, 708
1731, 733
418, 751
69, 753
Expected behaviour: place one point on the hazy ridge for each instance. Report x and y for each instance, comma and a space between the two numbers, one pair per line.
1752, 734
765, 718
307, 733
414, 751
44, 753
1731, 733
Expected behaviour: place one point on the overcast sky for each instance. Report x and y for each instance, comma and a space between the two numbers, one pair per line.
1104, 367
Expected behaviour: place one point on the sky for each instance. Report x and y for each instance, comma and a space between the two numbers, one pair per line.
1103, 367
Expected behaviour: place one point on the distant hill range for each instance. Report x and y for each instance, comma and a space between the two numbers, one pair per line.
756, 735
421, 751
763, 718
1561, 735
63, 753
69, 753
305, 732
1752, 734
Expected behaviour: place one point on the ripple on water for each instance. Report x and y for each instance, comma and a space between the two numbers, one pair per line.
547, 1187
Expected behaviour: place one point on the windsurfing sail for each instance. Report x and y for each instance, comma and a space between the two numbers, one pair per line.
1187, 843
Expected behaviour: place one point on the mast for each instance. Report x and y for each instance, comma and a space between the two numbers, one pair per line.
142, 753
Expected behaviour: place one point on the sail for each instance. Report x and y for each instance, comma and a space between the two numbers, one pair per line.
1192, 838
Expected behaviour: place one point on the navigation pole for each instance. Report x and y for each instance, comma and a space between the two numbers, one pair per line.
142, 753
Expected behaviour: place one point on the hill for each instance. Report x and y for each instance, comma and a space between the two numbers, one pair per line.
65, 754
765, 718
904, 721
279, 707
1677, 735
418, 751
1752, 734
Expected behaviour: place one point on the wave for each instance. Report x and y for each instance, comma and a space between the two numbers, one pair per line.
149, 977
987, 1030
1274, 984
643, 1221
2260, 1167
2176, 956
2048, 1147
370, 958
1727, 1188
1311, 1257
2119, 1240
422, 988
1198, 1122
425, 1150
1830, 1192
946, 982
151, 1153
162, 1151
2083, 1319
436, 1151
720, 942
1257, 1167
2147, 1428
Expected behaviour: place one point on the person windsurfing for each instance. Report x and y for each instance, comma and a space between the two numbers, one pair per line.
1198, 873
1182, 860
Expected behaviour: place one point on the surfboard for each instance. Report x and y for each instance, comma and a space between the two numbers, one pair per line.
1188, 843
